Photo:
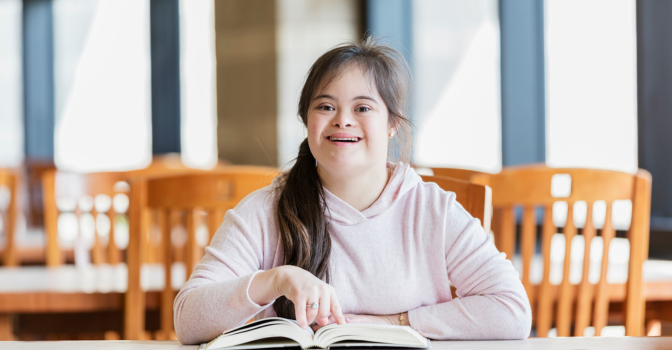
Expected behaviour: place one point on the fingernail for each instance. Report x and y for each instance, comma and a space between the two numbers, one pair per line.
347, 319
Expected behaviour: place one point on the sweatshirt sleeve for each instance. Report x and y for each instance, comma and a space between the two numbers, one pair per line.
491, 303
215, 298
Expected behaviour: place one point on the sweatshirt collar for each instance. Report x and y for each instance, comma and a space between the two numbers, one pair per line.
402, 180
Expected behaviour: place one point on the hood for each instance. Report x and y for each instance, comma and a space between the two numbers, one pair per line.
402, 180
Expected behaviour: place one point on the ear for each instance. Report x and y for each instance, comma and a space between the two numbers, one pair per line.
392, 129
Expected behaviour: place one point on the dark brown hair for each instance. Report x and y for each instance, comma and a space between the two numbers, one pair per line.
301, 204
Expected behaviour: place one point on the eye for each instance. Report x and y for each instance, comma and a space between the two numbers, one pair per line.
326, 108
363, 109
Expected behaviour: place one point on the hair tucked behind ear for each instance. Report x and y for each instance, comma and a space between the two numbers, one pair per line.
301, 204
303, 227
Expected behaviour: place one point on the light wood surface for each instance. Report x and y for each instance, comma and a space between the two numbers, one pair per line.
454, 173
475, 198
530, 187
622, 343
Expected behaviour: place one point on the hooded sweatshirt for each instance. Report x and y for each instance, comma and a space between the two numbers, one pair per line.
399, 255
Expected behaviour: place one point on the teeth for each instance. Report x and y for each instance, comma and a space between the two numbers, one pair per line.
354, 139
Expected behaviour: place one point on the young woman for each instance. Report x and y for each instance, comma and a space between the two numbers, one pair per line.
346, 236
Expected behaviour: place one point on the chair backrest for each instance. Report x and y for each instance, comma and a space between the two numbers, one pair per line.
8, 205
577, 191
212, 194
81, 212
475, 198
67, 189
455, 173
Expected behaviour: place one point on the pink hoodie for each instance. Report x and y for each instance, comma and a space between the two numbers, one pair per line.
400, 254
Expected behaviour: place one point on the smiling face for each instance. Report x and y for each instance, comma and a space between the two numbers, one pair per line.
348, 125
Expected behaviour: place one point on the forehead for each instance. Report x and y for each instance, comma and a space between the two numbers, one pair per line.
349, 80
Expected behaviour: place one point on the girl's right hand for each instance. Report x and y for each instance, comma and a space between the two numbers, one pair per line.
304, 289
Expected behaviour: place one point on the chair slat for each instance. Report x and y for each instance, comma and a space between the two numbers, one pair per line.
545, 300
10, 254
167, 293
507, 234
113, 252
639, 251
151, 250
496, 226
97, 250
585, 295
134, 306
564, 318
191, 256
54, 255
527, 245
602, 295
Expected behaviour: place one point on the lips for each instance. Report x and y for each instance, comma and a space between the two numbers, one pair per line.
343, 138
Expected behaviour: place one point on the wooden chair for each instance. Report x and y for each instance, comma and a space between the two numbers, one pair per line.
88, 204
475, 198
8, 212
530, 187
213, 193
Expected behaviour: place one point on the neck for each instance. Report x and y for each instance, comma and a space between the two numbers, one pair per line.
361, 190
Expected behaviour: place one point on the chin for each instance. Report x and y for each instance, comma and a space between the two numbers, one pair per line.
345, 164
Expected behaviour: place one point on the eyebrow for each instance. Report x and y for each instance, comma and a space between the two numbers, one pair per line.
354, 99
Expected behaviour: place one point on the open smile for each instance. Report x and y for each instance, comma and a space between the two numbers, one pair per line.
343, 140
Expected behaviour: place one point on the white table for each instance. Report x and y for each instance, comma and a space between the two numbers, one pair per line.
638, 343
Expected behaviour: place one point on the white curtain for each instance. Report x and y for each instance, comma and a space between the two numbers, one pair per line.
456, 63
591, 84
102, 78
11, 87
198, 83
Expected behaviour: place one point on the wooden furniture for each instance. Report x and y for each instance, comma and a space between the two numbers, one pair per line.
100, 183
8, 212
529, 188
89, 199
455, 173
475, 198
85, 206
213, 193
622, 343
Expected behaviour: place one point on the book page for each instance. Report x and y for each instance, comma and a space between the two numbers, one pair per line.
384, 334
273, 327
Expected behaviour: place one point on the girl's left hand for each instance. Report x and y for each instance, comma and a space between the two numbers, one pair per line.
369, 319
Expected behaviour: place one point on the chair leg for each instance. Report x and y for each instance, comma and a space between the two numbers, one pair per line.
6, 329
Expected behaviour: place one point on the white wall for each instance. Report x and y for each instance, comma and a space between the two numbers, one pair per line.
102, 85
305, 30
591, 84
456, 108
198, 83
11, 87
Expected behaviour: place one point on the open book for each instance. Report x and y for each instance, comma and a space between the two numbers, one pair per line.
275, 332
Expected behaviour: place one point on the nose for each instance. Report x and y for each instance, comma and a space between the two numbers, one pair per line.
343, 119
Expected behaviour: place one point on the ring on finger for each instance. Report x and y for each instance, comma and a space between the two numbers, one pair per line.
314, 305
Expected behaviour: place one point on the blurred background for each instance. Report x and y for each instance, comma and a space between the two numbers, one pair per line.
109, 85
104, 85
